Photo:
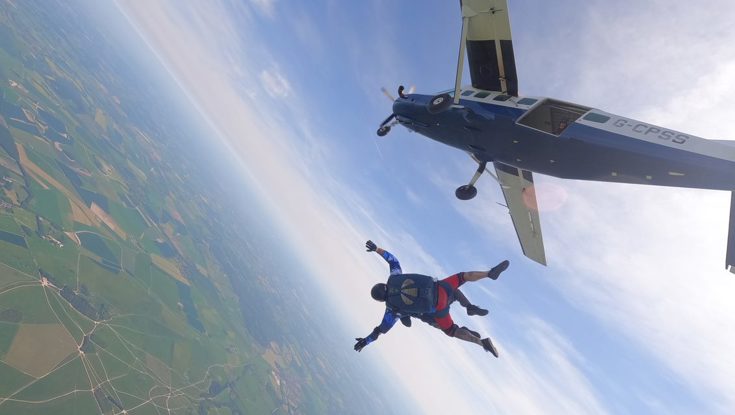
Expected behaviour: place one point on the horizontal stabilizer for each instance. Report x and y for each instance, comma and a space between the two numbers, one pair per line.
726, 142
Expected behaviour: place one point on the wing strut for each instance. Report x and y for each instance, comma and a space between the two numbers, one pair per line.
460, 59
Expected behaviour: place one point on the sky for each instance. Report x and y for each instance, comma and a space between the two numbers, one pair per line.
634, 313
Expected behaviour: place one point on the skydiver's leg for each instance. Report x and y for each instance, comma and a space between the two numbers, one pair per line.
463, 333
463, 301
471, 308
494, 273
444, 321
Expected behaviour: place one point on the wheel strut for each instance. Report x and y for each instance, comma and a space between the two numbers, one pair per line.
384, 127
468, 191
478, 173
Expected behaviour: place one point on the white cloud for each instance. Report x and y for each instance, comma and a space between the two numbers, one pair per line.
306, 200
645, 262
266, 7
275, 84
649, 262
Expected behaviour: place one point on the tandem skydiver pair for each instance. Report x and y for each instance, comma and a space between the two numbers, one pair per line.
428, 299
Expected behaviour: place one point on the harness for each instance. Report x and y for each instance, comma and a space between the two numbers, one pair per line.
412, 294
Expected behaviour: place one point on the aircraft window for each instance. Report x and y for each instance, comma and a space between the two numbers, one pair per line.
527, 101
553, 116
594, 117
502, 98
482, 94
448, 91
467, 93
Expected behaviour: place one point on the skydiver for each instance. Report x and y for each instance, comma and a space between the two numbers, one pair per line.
421, 296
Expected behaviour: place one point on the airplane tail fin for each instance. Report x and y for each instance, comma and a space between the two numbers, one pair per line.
730, 258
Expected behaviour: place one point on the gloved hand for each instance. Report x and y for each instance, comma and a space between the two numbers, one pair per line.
370, 246
361, 342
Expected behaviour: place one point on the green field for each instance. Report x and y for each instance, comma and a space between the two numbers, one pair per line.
13, 238
129, 219
7, 333
142, 332
8, 223
11, 380
115, 290
61, 262
26, 218
70, 375
75, 323
16, 257
30, 302
10, 277
79, 403
164, 287
104, 248
51, 204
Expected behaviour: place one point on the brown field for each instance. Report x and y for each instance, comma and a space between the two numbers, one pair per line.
73, 236
79, 216
38, 180
158, 368
272, 355
38, 348
10, 164
171, 207
168, 229
107, 219
36, 171
169, 268
12, 196
202, 270
100, 119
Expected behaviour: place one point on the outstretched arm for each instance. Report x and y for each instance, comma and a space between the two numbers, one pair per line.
389, 319
395, 266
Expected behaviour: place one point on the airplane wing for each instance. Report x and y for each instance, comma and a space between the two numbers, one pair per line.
520, 197
489, 45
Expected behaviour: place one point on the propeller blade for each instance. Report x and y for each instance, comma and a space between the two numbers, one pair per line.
387, 94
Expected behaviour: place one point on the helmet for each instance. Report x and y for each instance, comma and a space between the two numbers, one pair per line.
378, 292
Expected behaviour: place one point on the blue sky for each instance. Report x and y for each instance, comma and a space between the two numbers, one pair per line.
634, 313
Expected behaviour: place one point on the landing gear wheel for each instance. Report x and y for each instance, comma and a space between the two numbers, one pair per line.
465, 192
439, 103
382, 131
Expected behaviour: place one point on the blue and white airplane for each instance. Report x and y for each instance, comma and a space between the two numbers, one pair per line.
525, 135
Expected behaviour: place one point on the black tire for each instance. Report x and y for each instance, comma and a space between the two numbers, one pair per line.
382, 131
465, 192
439, 103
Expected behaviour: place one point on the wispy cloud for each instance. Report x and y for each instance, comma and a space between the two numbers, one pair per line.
275, 84
333, 219
266, 7
659, 289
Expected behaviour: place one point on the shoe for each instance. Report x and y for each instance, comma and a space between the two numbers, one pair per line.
489, 347
472, 332
494, 273
473, 310
406, 320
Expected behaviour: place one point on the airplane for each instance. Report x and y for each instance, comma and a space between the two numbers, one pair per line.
520, 136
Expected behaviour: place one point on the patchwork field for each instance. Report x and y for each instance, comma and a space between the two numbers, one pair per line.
38, 348
124, 275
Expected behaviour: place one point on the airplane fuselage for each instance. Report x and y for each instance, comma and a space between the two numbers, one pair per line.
571, 141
